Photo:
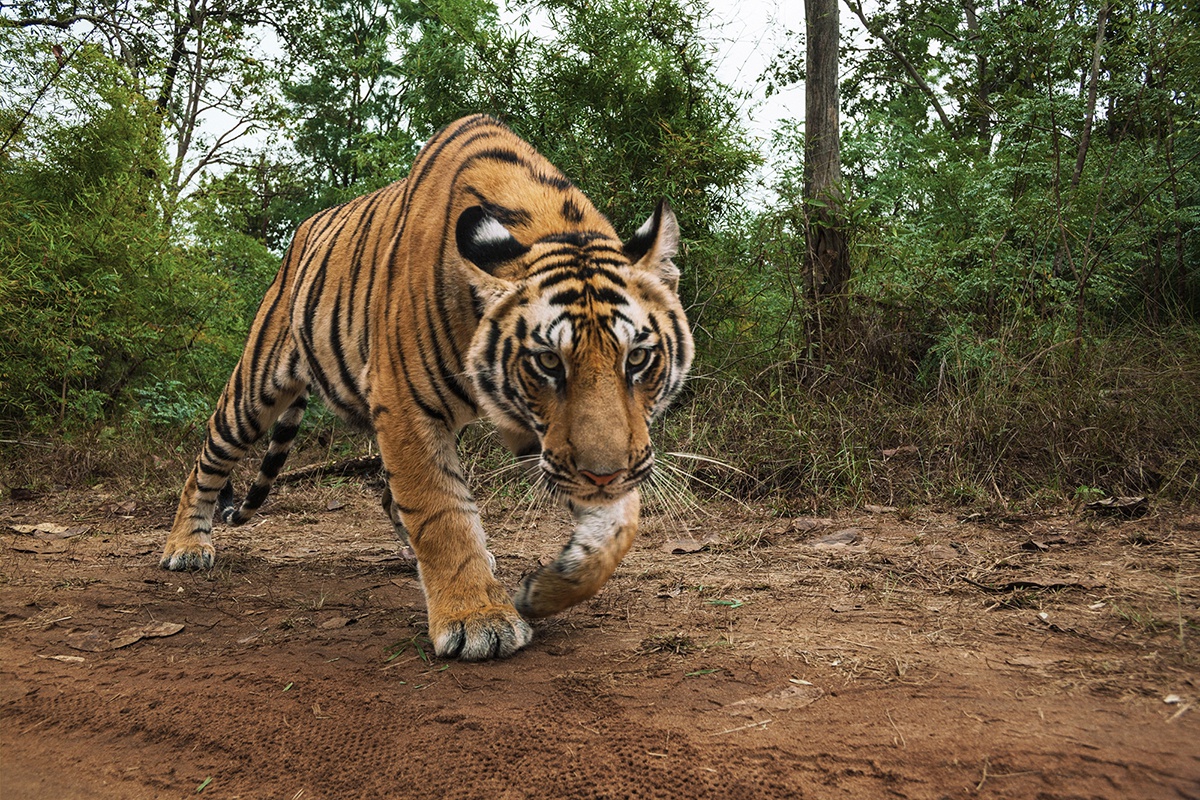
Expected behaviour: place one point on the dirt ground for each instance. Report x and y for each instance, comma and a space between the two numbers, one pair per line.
735, 654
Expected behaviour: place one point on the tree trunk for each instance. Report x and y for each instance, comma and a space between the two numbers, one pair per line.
827, 262
982, 107
1093, 79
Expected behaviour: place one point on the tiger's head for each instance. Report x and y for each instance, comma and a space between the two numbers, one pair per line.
582, 341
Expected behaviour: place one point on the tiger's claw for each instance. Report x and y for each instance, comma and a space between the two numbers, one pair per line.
188, 558
481, 635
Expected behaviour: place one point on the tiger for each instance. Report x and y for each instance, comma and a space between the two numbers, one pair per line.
482, 285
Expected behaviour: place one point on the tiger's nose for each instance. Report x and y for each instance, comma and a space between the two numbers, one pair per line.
601, 480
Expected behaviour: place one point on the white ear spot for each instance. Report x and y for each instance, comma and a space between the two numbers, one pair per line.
483, 241
644, 231
490, 232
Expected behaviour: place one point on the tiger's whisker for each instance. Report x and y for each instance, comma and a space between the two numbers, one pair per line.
667, 465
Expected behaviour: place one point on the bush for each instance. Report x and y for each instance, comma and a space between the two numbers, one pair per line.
99, 299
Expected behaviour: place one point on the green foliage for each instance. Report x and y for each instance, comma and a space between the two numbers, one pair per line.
96, 294
998, 278
620, 95
125, 295
631, 108
989, 203
345, 91
170, 402
992, 214
370, 80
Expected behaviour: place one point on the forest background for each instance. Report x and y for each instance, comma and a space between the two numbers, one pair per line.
1019, 201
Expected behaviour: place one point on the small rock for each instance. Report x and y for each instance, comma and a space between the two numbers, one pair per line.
939, 551
842, 538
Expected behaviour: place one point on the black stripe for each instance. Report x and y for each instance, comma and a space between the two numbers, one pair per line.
417, 530
573, 238
218, 452
222, 428
553, 181
273, 462
450, 362
503, 155
605, 294
335, 343
567, 297
492, 342
576, 272
426, 408
508, 217
255, 497
571, 211
447, 413
284, 433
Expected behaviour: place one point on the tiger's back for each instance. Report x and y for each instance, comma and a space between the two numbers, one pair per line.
413, 309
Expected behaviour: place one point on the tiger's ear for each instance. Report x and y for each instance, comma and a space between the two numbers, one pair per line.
654, 244
484, 242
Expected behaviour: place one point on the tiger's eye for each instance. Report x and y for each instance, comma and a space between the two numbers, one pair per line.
549, 361
638, 357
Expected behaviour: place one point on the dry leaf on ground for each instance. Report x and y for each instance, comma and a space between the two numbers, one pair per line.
50, 530
785, 699
147, 631
689, 545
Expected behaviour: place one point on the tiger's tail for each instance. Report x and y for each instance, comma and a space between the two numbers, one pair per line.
282, 436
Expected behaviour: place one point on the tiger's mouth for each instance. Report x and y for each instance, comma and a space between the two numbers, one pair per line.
588, 488
589, 495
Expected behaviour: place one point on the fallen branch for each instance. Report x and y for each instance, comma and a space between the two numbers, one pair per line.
361, 465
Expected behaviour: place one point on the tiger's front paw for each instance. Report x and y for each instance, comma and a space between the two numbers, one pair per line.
188, 553
492, 632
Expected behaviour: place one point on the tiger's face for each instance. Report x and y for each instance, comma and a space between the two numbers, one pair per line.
583, 342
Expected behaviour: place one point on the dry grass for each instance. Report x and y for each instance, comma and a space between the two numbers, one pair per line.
1024, 428
1028, 426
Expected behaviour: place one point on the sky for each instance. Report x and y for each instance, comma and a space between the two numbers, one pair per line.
746, 35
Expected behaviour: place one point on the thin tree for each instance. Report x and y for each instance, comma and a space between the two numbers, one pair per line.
827, 262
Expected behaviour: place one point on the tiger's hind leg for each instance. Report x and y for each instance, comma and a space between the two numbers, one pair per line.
256, 395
